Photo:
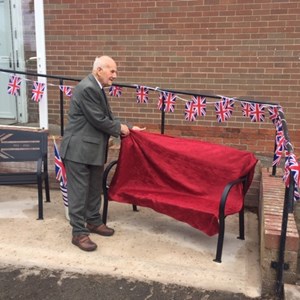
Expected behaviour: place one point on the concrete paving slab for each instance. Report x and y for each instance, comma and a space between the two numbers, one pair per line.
291, 292
146, 245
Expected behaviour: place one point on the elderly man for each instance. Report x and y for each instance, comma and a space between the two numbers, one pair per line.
84, 151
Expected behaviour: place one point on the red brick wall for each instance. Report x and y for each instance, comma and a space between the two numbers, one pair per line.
236, 48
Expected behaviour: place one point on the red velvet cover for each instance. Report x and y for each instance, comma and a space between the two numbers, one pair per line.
182, 178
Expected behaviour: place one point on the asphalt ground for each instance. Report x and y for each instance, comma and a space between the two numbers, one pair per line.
35, 284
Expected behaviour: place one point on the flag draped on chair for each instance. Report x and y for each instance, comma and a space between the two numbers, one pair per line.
60, 173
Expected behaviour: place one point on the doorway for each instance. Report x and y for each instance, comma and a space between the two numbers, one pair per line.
13, 109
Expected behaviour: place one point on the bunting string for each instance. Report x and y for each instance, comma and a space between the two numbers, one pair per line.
142, 92
194, 107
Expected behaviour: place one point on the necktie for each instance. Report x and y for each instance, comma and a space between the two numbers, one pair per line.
104, 95
106, 101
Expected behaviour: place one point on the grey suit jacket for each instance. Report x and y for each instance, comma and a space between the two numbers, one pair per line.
90, 124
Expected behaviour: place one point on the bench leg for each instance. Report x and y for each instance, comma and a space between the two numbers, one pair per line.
47, 188
242, 225
220, 240
40, 199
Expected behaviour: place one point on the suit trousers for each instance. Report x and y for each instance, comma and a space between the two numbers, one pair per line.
84, 185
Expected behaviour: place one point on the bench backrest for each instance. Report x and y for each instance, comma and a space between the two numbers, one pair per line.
17, 144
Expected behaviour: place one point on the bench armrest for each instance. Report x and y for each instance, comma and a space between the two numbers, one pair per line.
226, 192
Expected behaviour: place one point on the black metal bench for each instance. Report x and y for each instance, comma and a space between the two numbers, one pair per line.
24, 144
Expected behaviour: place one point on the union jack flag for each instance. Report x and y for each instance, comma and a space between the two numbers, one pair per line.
142, 93
274, 113
280, 142
60, 170
61, 175
257, 112
67, 90
115, 91
14, 85
221, 111
246, 108
167, 100
38, 90
64, 193
292, 167
190, 112
229, 106
161, 100
279, 151
199, 105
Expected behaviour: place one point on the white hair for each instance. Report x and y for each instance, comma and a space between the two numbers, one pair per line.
101, 62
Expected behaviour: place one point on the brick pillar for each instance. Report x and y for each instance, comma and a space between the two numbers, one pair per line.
270, 216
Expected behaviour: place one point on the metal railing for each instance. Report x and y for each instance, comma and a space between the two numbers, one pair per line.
60, 79
288, 207
280, 266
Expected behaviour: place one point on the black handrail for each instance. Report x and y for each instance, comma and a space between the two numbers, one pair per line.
40, 75
288, 207
133, 86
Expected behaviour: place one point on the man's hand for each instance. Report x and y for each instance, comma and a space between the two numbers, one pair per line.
124, 130
138, 128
